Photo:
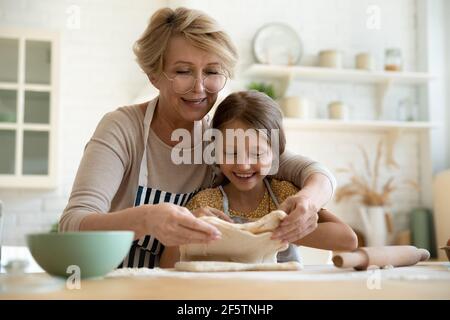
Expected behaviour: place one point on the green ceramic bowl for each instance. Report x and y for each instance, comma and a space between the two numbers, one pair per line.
95, 252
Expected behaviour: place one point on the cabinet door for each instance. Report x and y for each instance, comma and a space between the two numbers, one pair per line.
9, 60
37, 107
8, 151
28, 87
35, 152
8, 106
9, 66
38, 57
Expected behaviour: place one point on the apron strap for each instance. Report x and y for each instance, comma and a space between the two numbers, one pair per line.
225, 202
143, 172
272, 195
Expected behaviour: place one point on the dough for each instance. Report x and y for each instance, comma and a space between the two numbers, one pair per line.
242, 243
217, 266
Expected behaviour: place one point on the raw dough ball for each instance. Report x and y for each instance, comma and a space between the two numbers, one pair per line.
244, 243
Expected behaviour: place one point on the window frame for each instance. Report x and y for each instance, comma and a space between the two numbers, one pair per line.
18, 179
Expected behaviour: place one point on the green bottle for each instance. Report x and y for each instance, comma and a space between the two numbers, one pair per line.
422, 230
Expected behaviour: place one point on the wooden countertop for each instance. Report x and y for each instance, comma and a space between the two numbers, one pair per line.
429, 280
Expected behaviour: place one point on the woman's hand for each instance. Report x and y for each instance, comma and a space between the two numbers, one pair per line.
173, 225
301, 220
208, 211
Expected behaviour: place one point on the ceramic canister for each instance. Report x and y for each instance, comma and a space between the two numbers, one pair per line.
338, 110
330, 59
296, 107
365, 61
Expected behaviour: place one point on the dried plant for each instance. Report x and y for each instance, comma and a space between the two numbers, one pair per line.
365, 185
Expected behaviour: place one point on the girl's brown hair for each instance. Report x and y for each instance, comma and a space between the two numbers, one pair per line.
254, 108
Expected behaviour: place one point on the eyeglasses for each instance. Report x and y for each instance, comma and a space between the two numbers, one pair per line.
184, 83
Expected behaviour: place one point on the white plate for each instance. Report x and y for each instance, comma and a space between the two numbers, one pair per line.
278, 44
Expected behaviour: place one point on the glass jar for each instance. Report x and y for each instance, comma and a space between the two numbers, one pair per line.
393, 60
365, 61
330, 59
338, 110
407, 110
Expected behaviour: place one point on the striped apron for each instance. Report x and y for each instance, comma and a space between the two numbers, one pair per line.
145, 252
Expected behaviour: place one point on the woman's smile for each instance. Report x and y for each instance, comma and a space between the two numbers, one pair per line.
196, 103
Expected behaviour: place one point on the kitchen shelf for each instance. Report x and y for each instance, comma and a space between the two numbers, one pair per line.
325, 124
383, 80
331, 74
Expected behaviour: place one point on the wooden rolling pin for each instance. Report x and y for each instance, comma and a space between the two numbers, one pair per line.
364, 257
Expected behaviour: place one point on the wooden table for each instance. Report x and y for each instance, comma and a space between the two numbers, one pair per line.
423, 281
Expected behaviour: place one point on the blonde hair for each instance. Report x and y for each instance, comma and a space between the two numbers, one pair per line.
197, 27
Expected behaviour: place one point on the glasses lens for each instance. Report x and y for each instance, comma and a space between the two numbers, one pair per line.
183, 83
214, 82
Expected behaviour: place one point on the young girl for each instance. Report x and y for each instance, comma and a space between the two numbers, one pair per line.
247, 192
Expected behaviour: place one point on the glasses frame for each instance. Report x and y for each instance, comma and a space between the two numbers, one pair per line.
195, 82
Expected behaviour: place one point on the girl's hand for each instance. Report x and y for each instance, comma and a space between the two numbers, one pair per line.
208, 211
301, 220
174, 225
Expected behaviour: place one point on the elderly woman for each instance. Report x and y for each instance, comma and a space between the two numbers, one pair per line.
127, 179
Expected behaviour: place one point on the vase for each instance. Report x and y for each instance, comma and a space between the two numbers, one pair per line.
295, 107
365, 61
338, 110
374, 223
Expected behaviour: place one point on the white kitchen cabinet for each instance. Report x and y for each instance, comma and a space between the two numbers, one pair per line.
28, 108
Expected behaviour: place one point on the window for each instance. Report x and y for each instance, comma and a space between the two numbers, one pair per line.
28, 96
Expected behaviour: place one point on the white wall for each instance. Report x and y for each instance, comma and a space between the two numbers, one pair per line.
98, 74
447, 80
433, 48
